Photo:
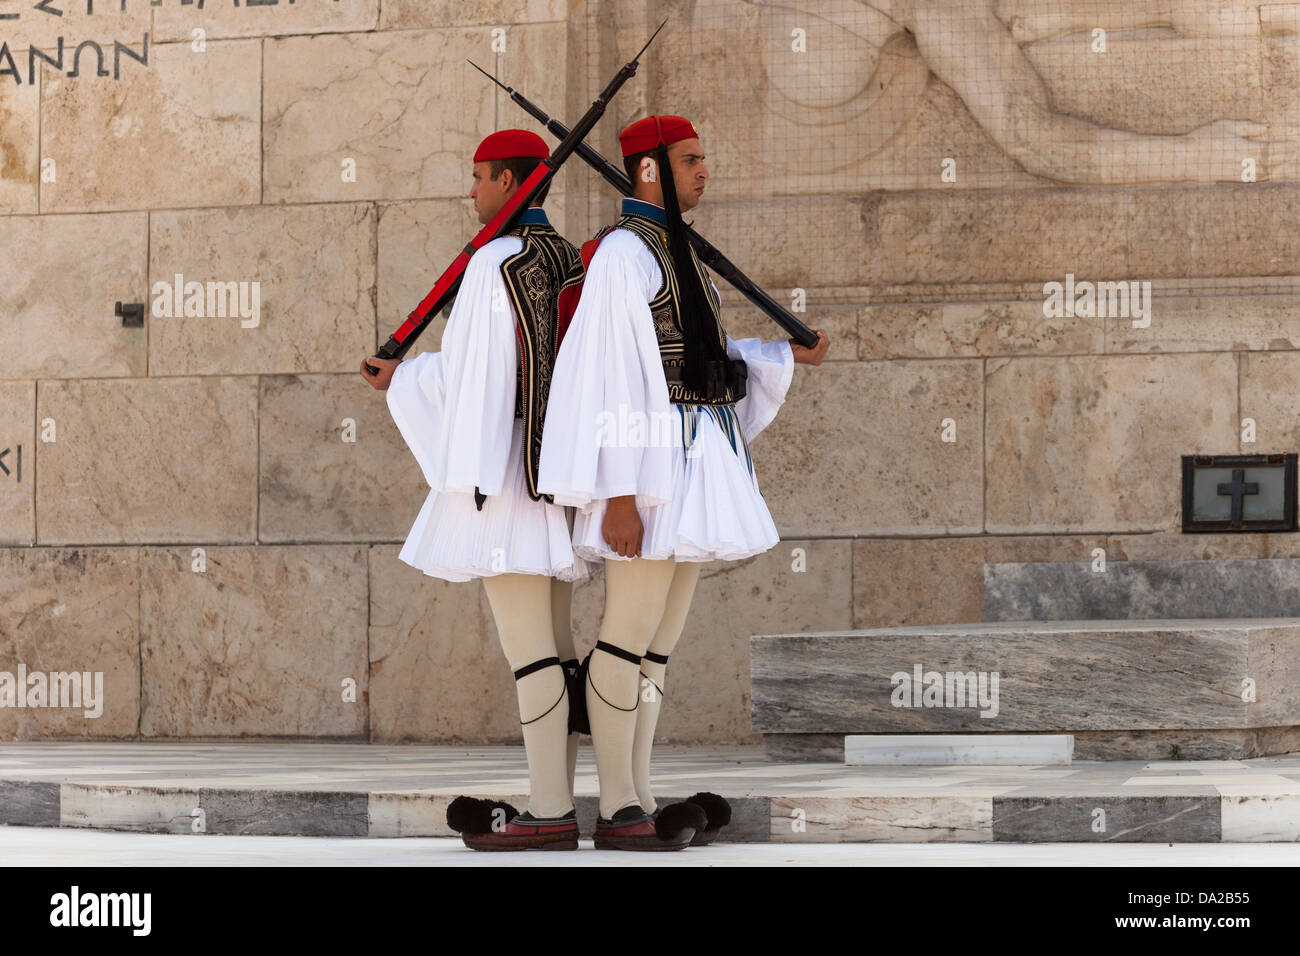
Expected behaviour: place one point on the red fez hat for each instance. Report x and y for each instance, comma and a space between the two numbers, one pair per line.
511, 144
645, 134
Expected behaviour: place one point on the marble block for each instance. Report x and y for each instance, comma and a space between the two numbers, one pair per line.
32, 803
58, 314
17, 455
285, 812
183, 132
144, 809
861, 448
178, 21
1055, 591
265, 641
1048, 676
954, 749
1153, 818
1261, 818
946, 818
1091, 443
69, 645
153, 460
285, 289
411, 14
390, 114
19, 151
332, 465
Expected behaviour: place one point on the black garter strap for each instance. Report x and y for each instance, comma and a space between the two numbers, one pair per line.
658, 659
618, 652
628, 656
537, 666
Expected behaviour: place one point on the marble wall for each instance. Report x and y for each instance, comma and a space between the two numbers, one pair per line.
203, 498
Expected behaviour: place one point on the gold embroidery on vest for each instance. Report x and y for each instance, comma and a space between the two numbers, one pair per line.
534, 278
665, 307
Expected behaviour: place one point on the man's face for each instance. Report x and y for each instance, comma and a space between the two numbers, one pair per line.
490, 194
689, 172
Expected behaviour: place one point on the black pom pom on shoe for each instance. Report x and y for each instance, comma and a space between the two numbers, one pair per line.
676, 817
715, 807
472, 815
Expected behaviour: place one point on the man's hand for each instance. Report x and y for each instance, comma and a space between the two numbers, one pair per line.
386, 368
814, 355
622, 527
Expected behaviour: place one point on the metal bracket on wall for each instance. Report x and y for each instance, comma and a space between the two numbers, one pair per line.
132, 314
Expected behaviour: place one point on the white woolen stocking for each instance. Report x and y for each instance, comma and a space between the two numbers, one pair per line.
562, 627
521, 606
669, 630
635, 592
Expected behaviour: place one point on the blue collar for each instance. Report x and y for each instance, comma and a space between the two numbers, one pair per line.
533, 216
639, 207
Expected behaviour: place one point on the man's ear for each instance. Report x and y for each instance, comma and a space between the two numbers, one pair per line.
648, 169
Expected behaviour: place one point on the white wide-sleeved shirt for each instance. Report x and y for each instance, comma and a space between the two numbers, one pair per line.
455, 410
611, 431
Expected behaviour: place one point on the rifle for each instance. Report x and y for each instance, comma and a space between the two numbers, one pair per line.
445, 288
709, 254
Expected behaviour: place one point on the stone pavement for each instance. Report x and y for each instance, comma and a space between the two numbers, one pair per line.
314, 789
52, 847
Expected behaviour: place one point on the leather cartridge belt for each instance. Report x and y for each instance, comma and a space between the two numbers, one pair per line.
722, 375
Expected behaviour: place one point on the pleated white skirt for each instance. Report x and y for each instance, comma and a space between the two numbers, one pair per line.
452, 540
717, 511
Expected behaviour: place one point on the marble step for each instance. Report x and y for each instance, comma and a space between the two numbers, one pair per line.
1147, 590
403, 791
958, 749
1114, 676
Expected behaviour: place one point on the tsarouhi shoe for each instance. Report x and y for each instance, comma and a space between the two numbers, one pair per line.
493, 825
717, 812
631, 828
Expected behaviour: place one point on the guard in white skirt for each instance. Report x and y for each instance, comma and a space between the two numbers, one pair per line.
472, 415
651, 411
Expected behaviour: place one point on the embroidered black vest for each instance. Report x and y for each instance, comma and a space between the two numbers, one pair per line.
665, 309
534, 277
